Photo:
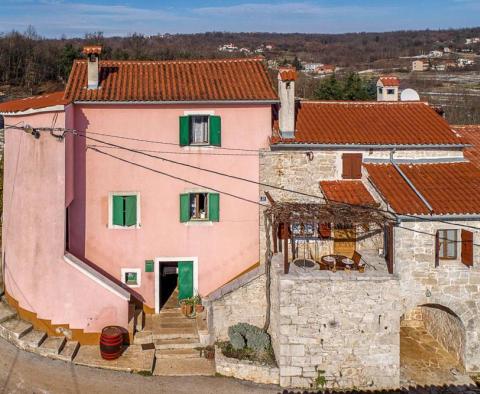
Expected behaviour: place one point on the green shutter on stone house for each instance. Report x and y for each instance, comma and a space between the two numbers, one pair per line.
215, 123
118, 209
184, 207
184, 138
214, 207
130, 210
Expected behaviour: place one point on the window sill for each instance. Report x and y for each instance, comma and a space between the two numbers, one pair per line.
197, 147
199, 223
115, 227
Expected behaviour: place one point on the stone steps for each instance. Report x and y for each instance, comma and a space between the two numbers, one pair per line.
32, 340
178, 343
52, 346
69, 351
177, 353
6, 312
184, 367
14, 328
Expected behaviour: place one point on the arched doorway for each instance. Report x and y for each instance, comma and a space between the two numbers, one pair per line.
432, 347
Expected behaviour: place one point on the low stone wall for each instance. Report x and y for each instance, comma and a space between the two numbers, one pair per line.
345, 324
447, 329
240, 301
244, 369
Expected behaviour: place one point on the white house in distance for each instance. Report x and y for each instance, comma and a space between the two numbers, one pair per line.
420, 65
387, 88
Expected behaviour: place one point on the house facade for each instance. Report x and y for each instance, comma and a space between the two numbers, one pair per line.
129, 189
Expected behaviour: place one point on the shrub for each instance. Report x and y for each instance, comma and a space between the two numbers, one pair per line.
245, 335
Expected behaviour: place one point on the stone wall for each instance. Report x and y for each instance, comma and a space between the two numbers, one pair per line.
240, 301
451, 285
244, 369
447, 329
346, 324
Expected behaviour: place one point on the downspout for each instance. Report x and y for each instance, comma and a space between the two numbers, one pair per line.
409, 182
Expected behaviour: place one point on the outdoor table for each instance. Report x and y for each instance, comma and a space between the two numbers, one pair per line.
338, 263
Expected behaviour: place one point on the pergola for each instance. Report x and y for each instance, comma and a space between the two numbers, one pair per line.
280, 217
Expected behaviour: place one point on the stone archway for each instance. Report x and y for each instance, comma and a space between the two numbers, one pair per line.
432, 347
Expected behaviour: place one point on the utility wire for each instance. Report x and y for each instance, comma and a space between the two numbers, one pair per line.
366, 207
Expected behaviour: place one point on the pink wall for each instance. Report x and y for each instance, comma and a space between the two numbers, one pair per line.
33, 232
223, 249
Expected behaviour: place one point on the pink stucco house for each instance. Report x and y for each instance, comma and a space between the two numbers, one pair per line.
96, 221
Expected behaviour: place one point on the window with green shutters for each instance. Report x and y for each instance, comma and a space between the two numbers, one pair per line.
198, 130
199, 207
124, 210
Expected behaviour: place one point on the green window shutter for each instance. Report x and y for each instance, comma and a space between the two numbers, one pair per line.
214, 207
184, 130
118, 217
215, 130
130, 210
184, 207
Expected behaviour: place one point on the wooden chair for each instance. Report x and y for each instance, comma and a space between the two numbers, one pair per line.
357, 257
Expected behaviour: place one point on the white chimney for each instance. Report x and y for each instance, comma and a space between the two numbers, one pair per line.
286, 91
93, 56
387, 89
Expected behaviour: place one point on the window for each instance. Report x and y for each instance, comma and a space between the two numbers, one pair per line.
447, 244
200, 130
390, 91
380, 90
124, 210
131, 277
199, 206
352, 166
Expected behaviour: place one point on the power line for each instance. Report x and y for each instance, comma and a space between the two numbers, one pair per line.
366, 207
176, 177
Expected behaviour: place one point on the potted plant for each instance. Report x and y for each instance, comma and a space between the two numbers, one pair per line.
187, 306
209, 352
198, 304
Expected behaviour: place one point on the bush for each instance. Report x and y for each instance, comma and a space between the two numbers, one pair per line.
243, 335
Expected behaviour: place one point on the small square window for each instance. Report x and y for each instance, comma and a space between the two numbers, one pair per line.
131, 277
390, 91
447, 244
380, 90
199, 130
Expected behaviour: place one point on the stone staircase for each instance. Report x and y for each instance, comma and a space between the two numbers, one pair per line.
24, 336
177, 344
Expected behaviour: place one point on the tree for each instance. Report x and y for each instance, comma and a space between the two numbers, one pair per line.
69, 54
297, 64
355, 88
329, 89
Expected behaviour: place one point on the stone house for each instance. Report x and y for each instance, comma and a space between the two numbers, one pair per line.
397, 158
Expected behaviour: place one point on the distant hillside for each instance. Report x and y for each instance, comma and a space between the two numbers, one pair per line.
28, 62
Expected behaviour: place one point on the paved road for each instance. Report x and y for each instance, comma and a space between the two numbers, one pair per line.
23, 372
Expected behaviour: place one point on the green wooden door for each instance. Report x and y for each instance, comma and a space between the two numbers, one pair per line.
185, 279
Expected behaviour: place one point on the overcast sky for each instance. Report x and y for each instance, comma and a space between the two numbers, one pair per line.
53, 18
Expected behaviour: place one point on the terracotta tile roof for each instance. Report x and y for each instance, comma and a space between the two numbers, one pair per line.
34, 102
450, 188
350, 192
287, 73
96, 49
471, 135
372, 123
389, 81
189, 80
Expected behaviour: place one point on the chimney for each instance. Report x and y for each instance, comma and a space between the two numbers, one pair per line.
286, 91
387, 89
93, 56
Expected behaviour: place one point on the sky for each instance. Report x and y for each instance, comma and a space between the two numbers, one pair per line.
54, 18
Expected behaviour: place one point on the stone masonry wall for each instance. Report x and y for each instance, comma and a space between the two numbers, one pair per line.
243, 303
346, 324
451, 285
447, 329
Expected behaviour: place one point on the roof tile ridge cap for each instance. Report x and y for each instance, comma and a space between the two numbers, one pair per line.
182, 61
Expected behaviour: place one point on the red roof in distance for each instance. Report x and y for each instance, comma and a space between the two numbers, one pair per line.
287, 73
370, 123
243, 79
389, 81
450, 188
349, 192
34, 102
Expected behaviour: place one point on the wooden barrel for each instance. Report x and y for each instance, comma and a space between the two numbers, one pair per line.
111, 341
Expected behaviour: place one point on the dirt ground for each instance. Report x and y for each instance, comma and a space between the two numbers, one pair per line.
22, 372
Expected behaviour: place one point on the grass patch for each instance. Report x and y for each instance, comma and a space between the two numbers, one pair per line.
267, 357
